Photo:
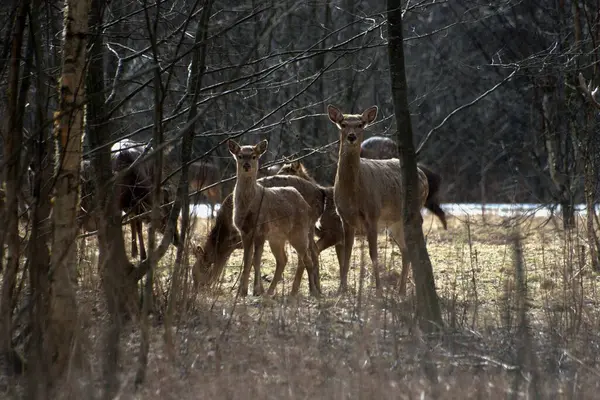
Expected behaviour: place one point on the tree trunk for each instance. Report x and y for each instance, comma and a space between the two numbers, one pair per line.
119, 290
13, 137
428, 307
62, 342
197, 71
38, 251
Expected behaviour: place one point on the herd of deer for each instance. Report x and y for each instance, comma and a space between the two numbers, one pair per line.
291, 207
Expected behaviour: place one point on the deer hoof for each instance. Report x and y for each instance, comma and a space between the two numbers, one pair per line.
258, 290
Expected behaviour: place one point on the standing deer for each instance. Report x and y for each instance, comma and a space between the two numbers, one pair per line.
224, 238
368, 193
383, 148
278, 214
133, 193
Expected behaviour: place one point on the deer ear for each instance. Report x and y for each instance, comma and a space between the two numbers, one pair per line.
369, 115
234, 148
335, 115
261, 147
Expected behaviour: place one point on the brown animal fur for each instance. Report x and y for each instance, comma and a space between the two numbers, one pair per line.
223, 238
278, 214
296, 168
382, 148
368, 193
133, 192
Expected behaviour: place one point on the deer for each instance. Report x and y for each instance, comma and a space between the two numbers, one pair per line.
277, 215
383, 148
367, 194
223, 238
133, 193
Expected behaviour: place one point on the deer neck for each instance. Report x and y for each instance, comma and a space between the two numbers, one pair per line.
347, 179
244, 193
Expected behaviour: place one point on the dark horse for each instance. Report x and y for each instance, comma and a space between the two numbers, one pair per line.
133, 190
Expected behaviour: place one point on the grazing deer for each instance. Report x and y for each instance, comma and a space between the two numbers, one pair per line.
201, 175
368, 193
223, 238
383, 148
278, 214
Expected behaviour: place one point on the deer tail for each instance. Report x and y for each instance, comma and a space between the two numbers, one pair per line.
434, 180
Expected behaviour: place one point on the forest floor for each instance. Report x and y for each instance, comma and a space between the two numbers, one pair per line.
498, 341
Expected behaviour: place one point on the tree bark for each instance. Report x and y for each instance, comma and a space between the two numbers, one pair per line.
13, 139
38, 251
428, 307
197, 71
119, 290
62, 342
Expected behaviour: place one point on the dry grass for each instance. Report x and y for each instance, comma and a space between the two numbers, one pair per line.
358, 346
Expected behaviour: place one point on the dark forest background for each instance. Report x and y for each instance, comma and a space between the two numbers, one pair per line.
273, 66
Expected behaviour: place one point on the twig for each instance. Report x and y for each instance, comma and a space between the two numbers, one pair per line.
465, 106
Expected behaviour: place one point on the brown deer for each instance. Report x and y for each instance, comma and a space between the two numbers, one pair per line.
278, 214
383, 148
368, 193
133, 193
223, 238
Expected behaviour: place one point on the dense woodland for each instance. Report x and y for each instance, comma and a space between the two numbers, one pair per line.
503, 98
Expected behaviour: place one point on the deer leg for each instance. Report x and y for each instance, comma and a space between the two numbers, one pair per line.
339, 252
372, 239
314, 257
134, 248
345, 266
397, 231
140, 232
259, 244
248, 252
302, 247
326, 241
312, 269
278, 250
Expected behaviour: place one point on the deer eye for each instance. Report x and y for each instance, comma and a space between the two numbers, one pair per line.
254, 157
343, 124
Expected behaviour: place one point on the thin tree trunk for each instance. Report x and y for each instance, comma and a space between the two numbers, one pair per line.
13, 138
62, 341
428, 307
38, 251
119, 291
197, 70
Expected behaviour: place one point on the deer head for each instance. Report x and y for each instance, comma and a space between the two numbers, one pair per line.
351, 126
246, 157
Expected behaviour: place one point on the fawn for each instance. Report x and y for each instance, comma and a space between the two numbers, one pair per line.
278, 214
223, 238
368, 193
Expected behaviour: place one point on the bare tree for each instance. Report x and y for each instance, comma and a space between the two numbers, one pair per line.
63, 337
12, 134
427, 301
